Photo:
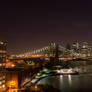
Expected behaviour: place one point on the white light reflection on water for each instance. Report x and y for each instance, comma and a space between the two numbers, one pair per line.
61, 78
70, 79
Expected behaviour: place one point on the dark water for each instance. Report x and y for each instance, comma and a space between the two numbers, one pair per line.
72, 83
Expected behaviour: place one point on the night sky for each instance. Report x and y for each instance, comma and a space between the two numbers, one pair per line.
31, 25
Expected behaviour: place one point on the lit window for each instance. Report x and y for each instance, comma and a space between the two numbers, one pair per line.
3, 64
3, 85
3, 81
3, 77
0, 82
0, 64
1, 43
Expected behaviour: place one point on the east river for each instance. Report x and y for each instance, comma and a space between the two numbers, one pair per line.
72, 83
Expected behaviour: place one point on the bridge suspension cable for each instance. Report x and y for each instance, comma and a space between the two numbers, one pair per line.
42, 50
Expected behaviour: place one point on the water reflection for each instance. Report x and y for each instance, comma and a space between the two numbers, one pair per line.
69, 79
70, 83
73, 83
61, 78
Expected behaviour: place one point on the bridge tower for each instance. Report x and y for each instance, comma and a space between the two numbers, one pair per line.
50, 52
53, 53
57, 53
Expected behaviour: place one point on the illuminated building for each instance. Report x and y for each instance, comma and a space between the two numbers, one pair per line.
2, 63
76, 46
85, 45
86, 49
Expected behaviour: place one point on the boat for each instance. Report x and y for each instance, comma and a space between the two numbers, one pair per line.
67, 71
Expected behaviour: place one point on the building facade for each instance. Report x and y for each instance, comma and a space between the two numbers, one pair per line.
3, 54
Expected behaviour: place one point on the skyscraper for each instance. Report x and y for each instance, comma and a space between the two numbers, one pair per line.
3, 54
76, 46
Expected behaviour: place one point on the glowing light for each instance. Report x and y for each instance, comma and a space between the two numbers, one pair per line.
12, 84
1, 43
35, 87
13, 65
3, 86
0, 64
70, 79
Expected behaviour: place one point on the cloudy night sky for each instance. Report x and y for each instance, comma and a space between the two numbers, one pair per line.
32, 25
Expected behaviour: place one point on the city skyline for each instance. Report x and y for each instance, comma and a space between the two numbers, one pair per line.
31, 25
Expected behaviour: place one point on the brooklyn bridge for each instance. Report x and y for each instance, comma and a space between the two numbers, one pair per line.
53, 50
47, 56
36, 61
